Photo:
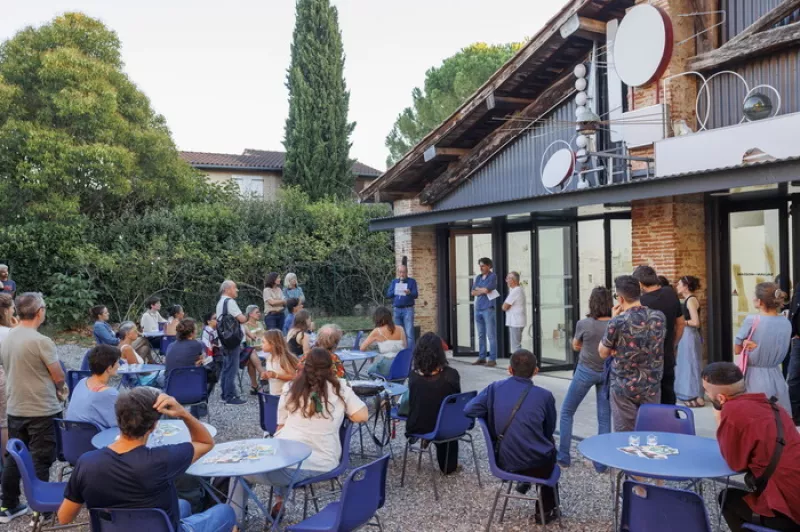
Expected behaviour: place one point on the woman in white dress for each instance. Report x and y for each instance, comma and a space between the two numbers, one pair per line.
389, 338
127, 334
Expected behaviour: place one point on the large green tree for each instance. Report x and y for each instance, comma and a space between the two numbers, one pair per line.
446, 88
317, 138
78, 140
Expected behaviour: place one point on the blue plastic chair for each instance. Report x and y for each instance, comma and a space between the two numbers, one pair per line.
73, 439
400, 368
756, 528
74, 376
189, 386
268, 413
363, 494
357, 343
85, 360
665, 418
42, 496
505, 476
660, 509
166, 341
126, 519
451, 425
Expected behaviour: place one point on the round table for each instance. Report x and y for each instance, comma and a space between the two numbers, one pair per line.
109, 436
394, 389
347, 355
135, 369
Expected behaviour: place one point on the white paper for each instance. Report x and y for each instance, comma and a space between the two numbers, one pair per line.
400, 289
208, 360
494, 294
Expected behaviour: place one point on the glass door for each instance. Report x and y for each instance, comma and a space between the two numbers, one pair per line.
520, 253
465, 250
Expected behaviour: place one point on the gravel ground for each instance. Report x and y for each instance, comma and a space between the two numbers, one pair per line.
463, 505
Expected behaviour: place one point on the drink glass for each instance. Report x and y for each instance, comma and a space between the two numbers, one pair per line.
634, 440
652, 439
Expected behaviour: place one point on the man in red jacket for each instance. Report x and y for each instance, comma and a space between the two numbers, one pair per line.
748, 436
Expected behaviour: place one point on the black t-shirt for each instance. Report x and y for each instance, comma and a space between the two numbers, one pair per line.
666, 300
425, 397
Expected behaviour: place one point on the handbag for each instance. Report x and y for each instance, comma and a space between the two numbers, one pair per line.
746, 352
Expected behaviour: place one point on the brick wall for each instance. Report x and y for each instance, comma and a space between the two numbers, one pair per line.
419, 245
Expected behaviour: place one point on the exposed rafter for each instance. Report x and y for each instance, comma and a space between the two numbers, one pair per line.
768, 20
444, 153
755, 45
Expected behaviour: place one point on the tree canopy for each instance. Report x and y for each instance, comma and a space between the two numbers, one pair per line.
76, 135
446, 88
317, 137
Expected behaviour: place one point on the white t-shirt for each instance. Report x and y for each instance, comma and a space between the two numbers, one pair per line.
275, 385
516, 315
150, 321
320, 432
233, 308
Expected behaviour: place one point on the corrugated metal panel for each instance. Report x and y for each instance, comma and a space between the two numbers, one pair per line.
742, 13
781, 70
514, 172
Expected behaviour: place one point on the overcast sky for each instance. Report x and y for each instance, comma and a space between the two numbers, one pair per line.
216, 68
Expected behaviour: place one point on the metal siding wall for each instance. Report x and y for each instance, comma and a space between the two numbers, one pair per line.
514, 172
742, 13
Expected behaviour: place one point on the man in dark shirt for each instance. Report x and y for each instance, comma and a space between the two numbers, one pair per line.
527, 446
748, 437
663, 298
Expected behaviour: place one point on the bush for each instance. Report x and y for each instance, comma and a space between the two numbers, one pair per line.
69, 300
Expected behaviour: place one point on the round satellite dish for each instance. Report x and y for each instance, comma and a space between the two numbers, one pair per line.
558, 168
643, 45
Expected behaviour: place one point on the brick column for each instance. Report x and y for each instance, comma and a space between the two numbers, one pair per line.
419, 245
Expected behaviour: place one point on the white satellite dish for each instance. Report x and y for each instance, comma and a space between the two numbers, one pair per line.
559, 168
643, 45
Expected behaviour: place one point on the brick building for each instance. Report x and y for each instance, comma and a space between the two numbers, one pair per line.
622, 133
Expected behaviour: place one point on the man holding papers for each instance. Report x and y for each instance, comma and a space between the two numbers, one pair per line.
403, 292
484, 290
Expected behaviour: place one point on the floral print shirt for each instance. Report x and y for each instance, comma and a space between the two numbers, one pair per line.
637, 339
337, 365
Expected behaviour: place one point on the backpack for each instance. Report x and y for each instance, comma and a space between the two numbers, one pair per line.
229, 330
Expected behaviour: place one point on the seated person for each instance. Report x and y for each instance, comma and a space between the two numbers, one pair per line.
152, 317
281, 364
528, 446
293, 306
431, 380
103, 333
128, 474
748, 439
298, 336
93, 399
186, 351
210, 338
328, 339
129, 334
389, 338
176, 314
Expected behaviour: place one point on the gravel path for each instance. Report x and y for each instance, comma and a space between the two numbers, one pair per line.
463, 506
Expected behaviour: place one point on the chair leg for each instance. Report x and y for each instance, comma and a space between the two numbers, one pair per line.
475, 461
494, 506
419, 461
434, 472
405, 459
314, 498
616, 498
305, 502
61, 473
540, 502
505, 502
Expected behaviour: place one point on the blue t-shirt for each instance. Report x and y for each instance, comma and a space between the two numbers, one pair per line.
482, 302
183, 354
141, 478
94, 407
287, 324
9, 286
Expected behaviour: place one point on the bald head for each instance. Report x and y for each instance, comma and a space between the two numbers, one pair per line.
228, 288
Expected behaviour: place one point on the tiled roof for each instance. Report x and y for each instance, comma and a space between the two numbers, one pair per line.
256, 160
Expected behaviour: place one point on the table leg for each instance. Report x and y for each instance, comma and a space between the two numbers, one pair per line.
289, 490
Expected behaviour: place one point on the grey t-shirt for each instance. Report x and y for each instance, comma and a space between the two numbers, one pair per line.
590, 331
30, 390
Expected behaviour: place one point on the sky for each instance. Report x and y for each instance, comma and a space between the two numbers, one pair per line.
216, 69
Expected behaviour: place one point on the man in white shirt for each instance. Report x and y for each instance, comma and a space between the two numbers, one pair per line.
152, 317
230, 356
514, 307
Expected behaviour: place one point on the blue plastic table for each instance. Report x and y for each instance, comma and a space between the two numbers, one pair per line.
288, 453
346, 355
109, 436
153, 334
394, 390
135, 369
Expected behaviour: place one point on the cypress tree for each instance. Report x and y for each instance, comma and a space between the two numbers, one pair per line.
317, 136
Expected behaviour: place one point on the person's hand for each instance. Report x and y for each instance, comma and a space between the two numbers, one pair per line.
62, 393
749, 345
617, 310
168, 406
199, 361
408, 292
268, 375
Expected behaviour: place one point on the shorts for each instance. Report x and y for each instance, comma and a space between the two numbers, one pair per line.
3, 413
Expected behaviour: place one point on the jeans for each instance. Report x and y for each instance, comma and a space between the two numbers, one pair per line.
486, 322
515, 335
218, 518
404, 317
793, 378
737, 512
582, 382
274, 320
39, 436
624, 409
230, 365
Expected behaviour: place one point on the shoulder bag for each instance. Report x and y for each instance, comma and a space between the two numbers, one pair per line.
502, 433
758, 485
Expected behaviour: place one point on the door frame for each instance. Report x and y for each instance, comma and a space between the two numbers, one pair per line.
452, 301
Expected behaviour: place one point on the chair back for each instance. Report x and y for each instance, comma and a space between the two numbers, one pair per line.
85, 360
127, 519
665, 418
756, 528
357, 343
74, 376
73, 439
487, 436
660, 509
363, 493
452, 421
188, 385
166, 341
345, 436
268, 412
30, 482
401, 365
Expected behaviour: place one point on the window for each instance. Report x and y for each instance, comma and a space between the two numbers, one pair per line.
250, 186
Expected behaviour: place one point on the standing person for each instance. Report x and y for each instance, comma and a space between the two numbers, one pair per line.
152, 317
274, 302
291, 289
7, 322
230, 355
589, 372
688, 384
403, 301
766, 336
793, 367
7, 286
527, 414
516, 314
281, 365
429, 383
293, 306
35, 390
748, 437
102, 331
665, 299
93, 398
634, 338
485, 318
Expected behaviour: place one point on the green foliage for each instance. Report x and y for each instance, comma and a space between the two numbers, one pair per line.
69, 300
446, 88
317, 137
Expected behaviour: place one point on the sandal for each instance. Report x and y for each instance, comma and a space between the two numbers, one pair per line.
692, 403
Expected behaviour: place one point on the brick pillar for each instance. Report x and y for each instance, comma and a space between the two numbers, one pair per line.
419, 245
669, 235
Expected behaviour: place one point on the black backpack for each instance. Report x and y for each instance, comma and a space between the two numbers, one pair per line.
229, 330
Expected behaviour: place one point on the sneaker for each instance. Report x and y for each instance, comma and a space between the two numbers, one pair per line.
479, 362
491, 364
9, 514
236, 401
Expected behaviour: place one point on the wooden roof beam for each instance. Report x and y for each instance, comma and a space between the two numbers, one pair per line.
435, 151
493, 101
767, 20
755, 45
583, 27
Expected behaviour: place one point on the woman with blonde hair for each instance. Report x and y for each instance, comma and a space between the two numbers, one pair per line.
291, 288
281, 363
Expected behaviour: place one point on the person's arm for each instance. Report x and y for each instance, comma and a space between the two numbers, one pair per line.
735, 447
306, 344
511, 299
199, 436
478, 406
104, 332
605, 348
300, 295
369, 341
492, 279
129, 355
680, 324
741, 336
148, 323
355, 408
68, 511
694, 315
276, 301
390, 290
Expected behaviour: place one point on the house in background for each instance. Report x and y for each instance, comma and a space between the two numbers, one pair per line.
259, 173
